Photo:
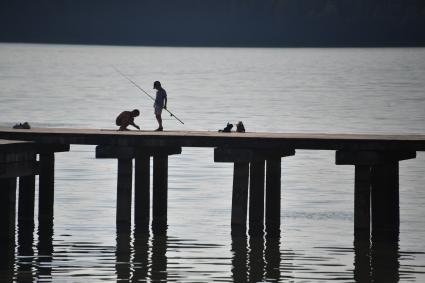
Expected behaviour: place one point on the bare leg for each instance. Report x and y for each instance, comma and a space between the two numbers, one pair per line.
159, 119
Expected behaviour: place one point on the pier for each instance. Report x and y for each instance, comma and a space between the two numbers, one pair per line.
257, 174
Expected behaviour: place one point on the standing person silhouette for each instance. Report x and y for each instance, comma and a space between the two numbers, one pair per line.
160, 103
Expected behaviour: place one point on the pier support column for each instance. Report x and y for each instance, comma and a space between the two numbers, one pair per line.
26, 199
7, 226
273, 196
142, 193
46, 187
376, 191
7, 213
124, 155
124, 188
362, 190
239, 198
256, 198
160, 193
26, 204
253, 161
385, 201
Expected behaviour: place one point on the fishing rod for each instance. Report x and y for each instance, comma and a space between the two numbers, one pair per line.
150, 96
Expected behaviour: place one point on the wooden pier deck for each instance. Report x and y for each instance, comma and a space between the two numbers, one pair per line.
257, 170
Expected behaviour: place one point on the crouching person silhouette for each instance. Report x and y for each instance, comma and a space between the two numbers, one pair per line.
126, 118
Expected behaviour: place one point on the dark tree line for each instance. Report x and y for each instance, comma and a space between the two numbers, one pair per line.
215, 22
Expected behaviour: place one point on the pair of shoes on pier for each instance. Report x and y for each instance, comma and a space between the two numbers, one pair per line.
240, 128
24, 125
160, 129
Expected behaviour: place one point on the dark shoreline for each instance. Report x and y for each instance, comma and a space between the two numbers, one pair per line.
216, 23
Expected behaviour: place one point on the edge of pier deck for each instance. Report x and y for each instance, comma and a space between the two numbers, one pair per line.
314, 141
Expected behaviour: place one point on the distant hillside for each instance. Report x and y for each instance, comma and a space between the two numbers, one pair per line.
215, 22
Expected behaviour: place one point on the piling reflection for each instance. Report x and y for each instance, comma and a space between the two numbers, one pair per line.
256, 259
45, 248
159, 258
273, 258
25, 250
7, 259
362, 268
384, 262
376, 260
141, 257
123, 256
239, 259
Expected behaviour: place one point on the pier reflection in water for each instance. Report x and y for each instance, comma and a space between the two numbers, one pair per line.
255, 259
376, 261
258, 259
141, 257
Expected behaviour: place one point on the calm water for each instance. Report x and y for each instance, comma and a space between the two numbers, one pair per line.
280, 90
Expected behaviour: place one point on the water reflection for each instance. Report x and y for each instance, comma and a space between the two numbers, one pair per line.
239, 259
141, 257
7, 260
255, 259
273, 258
25, 251
144, 257
123, 256
45, 249
159, 258
29, 266
376, 261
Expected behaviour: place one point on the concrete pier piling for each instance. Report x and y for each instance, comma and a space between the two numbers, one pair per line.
26, 198
124, 193
239, 198
273, 196
264, 206
256, 198
142, 192
362, 190
385, 201
7, 211
160, 193
46, 187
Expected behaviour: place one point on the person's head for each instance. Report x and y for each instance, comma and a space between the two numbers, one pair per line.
156, 85
135, 113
